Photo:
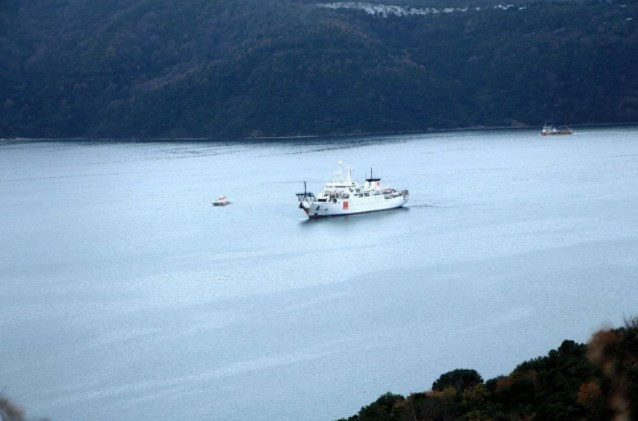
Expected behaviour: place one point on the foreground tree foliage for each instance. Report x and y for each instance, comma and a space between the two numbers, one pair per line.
9, 411
596, 381
588, 382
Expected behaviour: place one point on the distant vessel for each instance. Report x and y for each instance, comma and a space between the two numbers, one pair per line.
549, 130
343, 196
221, 201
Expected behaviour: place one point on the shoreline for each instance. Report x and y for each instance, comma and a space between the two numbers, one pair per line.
294, 137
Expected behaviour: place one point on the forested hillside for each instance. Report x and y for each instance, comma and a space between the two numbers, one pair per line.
251, 68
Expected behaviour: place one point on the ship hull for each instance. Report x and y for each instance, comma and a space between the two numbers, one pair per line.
557, 133
345, 207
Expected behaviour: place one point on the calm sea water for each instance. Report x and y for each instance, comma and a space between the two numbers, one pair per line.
125, 295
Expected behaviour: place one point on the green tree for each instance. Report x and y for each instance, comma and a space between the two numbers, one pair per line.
460, 379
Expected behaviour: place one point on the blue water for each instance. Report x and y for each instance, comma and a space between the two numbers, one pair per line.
124, 294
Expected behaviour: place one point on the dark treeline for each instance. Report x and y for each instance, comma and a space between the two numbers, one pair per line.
594, 381
144, 68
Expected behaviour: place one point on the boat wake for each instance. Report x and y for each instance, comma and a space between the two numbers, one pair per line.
424, 205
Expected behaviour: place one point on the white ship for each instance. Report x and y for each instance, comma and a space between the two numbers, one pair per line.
549, 130
343, 196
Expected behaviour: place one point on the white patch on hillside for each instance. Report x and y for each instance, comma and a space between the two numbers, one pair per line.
389, 10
